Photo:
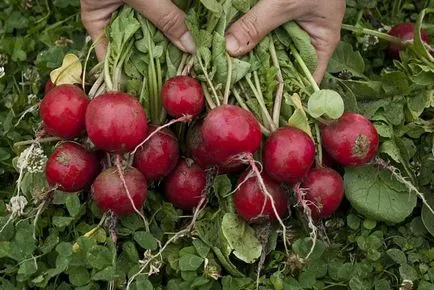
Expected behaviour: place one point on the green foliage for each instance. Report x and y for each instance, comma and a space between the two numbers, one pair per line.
381, 238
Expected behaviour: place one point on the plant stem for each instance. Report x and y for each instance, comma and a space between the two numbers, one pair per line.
96, 86
208, 80
208, 98
279, 92
182, 64
378, 34
117, 72
304, 68
243, 105
229, 80
107, 78
37, 141
266, 116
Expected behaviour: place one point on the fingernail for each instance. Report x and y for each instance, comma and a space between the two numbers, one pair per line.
187, 42
232, 44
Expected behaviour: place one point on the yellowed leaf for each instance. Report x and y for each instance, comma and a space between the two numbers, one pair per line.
69, 72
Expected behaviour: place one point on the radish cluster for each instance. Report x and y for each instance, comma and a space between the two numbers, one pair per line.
116, 124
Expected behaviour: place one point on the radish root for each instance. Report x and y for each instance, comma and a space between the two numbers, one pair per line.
301, 194
122, 177
248, 158
397, 174
186, 118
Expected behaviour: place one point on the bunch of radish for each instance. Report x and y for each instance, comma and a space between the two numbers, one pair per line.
116, 125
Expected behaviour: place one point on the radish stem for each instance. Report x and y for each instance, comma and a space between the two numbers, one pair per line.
378, 34
279, 92
229, 80
304, 68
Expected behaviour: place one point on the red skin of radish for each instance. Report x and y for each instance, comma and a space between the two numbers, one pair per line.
71, 167
49, 86
116, 121
158, 156
182, 95
184, 187
351, 140
109, 193
229, 131
198, 152
249, 199
404, 31
63, 111
288, 154
325, 188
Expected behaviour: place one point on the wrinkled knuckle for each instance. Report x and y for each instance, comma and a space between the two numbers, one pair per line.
170, 22
249, 27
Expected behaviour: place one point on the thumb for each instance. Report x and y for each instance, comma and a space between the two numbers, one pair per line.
169, 19
251, 28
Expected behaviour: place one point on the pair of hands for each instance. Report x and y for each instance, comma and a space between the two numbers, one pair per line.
321, 19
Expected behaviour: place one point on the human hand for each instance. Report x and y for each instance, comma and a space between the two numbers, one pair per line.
96, 14
321, 19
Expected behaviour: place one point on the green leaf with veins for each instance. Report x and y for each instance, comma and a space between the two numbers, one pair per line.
326, 102
241, 238
369, 195
345, 59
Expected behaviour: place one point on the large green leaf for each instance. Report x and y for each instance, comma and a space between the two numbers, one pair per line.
241, 238
374, 193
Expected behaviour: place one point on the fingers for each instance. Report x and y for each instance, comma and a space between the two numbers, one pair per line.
169, 19
95, 15
264, 17
324, 54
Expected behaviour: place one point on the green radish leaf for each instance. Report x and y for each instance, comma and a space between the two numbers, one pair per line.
427, 215
73, 205
106, 274
302, 42
326, 102
212, 5
397, 256
242, 5
419, 45
370, 195
241, 238
345, 59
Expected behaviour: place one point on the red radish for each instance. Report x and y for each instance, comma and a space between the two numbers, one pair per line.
49, 86
63, 111
288, 154
185, 185
109, 193
116, 121
325, 191
71, 167
229, 131
158, 156
249, 199
182, 95
351, 140
196, 148
404, 31
198, 152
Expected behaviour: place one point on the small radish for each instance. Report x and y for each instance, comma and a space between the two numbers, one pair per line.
404, 31
198, 152
158, 156
325, 191
109, 193
249, 199
49, 86
288, 154
182, 95
71, 167
185, 185
63, 111
229, 131
351, 140
116, 121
